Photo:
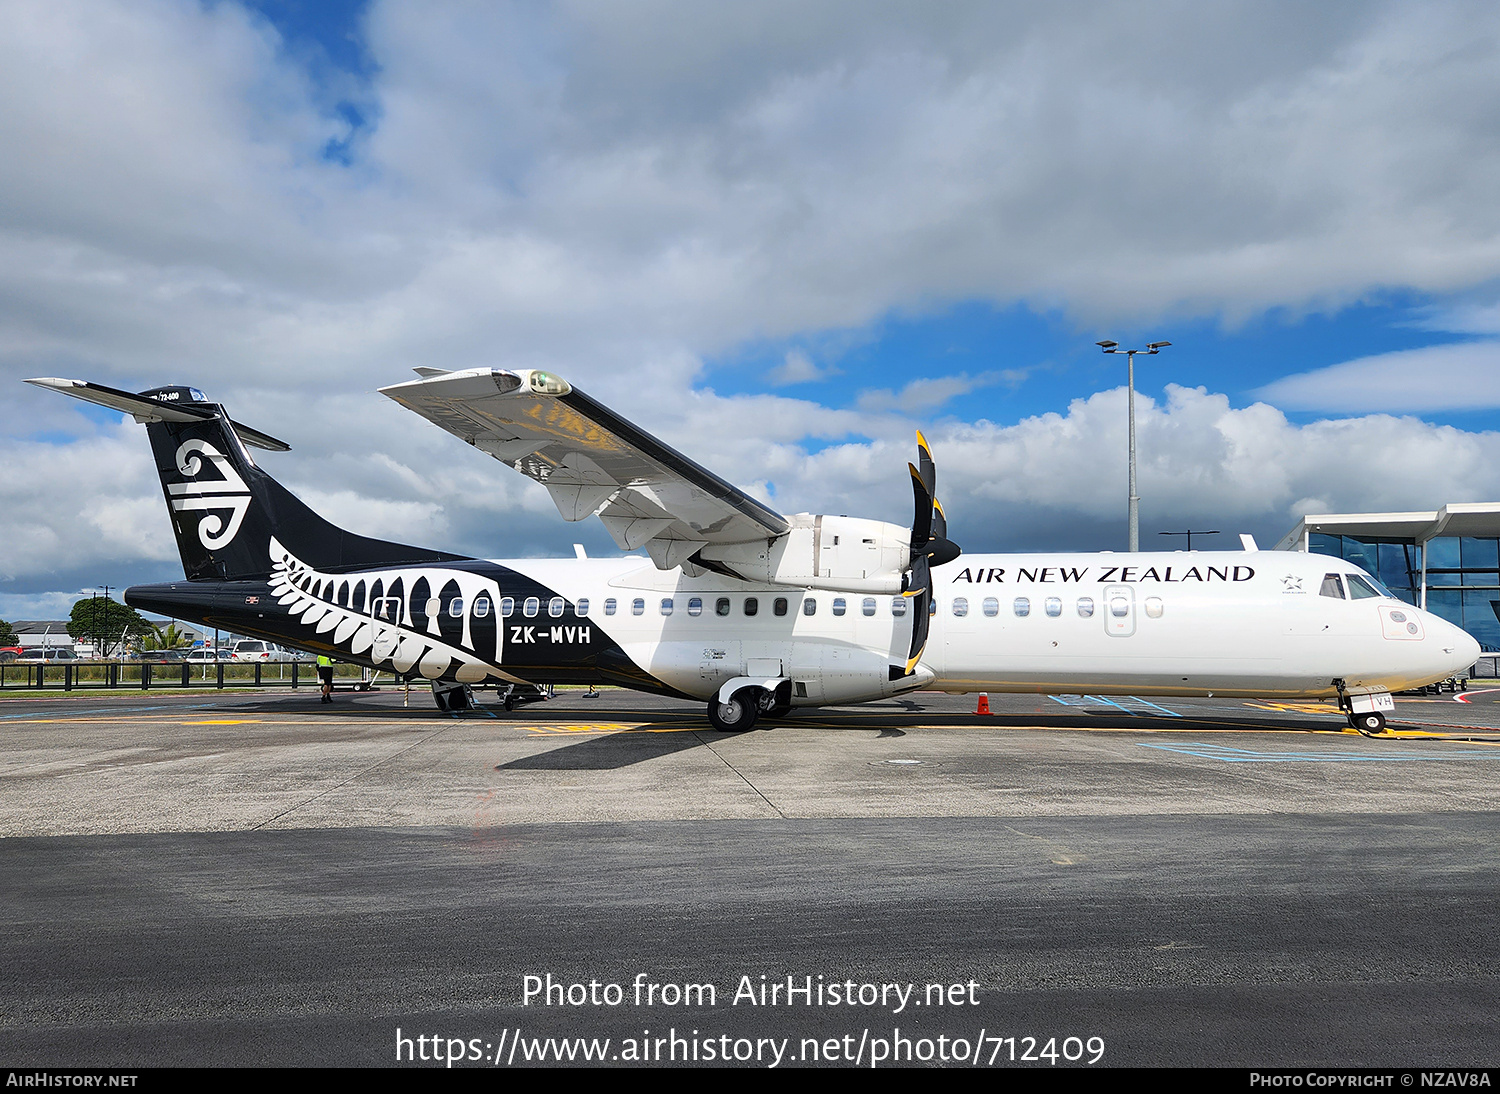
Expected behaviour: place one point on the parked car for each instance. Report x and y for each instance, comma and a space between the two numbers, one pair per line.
209, 656
9, 654
47, 655
250, 649
162, 657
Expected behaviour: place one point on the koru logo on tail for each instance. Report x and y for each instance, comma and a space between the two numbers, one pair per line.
215, 496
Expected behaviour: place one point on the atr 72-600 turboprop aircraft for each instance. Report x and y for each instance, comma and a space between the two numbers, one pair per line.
734, 604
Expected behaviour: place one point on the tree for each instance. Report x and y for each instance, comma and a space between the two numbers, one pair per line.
106, 623
8, 636
164, 638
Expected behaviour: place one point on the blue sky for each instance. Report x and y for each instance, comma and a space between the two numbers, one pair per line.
781, 236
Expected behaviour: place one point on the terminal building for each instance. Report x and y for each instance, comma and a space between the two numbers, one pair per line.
1447, 562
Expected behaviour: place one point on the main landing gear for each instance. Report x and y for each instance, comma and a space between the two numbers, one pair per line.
1369, 723
740, 712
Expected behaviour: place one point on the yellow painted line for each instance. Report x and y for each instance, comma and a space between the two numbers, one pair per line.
225, 722
1293, 708
567, 730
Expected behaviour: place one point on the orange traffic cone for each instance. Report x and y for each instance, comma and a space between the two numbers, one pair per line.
984, 704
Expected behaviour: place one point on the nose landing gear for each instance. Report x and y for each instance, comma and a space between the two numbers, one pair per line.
1366, 707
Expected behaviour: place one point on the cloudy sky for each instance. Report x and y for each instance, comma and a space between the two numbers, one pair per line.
781, 236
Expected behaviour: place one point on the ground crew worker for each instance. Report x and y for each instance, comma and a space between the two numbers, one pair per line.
325, 673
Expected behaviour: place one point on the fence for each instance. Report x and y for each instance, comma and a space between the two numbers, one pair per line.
144, 675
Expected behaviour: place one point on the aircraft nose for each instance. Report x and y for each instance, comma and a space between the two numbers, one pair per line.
1457, 647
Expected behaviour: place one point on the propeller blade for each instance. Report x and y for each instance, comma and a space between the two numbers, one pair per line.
921, 581
927, 464
939, 521
921, 524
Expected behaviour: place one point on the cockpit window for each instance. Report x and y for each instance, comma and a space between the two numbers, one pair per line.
1360, 588
1332, 587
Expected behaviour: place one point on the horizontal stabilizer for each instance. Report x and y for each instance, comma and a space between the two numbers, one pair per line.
145, 408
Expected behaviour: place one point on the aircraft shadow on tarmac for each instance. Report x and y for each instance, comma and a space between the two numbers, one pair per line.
624, 748
610, 751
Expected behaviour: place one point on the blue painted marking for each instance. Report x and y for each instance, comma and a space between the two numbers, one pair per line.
1250, 756
1145, 706
1153, 706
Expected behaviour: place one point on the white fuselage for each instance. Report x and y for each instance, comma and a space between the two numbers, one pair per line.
1184, 623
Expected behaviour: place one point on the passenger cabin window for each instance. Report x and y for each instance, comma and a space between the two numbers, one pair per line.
1119, 607
531, 607
721, 606
666, 605
482, 606
960, 606
507, 606
456, 607
638, 606
1021, 606
582, 608
1153, 607
991, 607
1054, 606
839, 605
1085, 606
1332, 586
898, 606
778, 606
555, 607
1359, 588
809, 606
695, 606
751, 605
609, 606
867, 606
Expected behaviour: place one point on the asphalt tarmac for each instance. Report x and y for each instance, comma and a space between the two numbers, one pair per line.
255, 878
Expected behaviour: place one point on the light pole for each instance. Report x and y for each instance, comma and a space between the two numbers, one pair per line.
1134, 506
99, 651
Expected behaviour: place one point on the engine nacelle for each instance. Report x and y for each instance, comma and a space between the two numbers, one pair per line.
840, 554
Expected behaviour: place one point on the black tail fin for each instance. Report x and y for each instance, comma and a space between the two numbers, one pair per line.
225, 510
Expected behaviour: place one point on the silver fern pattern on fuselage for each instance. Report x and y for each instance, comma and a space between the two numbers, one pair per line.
344, 604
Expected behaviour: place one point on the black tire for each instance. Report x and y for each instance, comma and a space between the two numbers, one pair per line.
737, 715
1368, 723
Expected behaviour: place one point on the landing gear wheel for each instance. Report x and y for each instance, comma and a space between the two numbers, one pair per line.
737, 715
1369, 724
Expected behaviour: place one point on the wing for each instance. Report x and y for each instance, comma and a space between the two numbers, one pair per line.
591, 461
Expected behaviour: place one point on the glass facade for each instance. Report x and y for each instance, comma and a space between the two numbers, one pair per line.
1463, 575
